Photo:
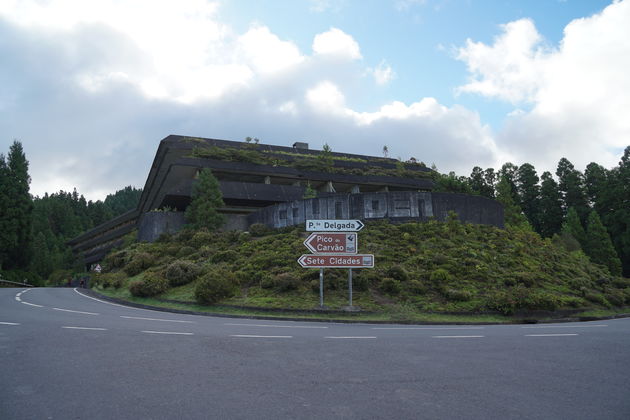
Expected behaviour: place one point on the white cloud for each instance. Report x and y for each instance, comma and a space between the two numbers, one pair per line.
90, 89
383, 73
577, 93
336, 43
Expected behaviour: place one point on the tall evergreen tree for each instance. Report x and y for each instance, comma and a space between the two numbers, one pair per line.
479, 182
571, 184
512, 212
206, 200
599, 247
6, 232
490, 177
508, 171
595, 180
529, 194
550, 215
123, 200
573, 226
16, 219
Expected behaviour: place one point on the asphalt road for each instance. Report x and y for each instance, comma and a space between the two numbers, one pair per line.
64, 355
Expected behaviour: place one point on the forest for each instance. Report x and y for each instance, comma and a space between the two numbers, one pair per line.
586, 211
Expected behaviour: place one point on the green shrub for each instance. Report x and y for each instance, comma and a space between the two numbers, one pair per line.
115, 260
417, 287
597, 299
398, 272
615, 297
106, 280
259, 229
139, 262
390, 286
285, 282
185, 251
151, 285
440, 275
216, 285
180, 272
200, 238
225, 256
458, 295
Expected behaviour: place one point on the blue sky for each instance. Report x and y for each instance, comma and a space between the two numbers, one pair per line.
91, 87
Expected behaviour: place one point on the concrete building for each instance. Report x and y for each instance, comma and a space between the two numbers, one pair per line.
268, 184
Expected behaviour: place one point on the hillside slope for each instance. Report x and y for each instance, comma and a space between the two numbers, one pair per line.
424, 267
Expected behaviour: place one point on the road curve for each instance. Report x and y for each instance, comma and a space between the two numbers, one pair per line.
67, 355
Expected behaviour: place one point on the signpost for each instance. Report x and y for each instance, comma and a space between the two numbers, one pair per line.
325, 242
336, 261
334, 247
334, 225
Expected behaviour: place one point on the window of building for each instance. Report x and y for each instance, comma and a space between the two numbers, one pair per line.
283, 214
338, 210
375, 204
295, 213
315, 205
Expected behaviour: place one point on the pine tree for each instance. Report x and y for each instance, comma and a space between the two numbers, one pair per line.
599, 247
16, 219
529, 194
206, 200
513, 213
595, 180
550, 210
478, 181
573, 226
571, 185
41, 263
508, 171
7, 237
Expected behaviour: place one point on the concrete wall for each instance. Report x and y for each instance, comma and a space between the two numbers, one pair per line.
396, 206
152, 224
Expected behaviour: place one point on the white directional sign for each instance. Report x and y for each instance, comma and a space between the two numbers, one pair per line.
334, 225
332, 242
336, 261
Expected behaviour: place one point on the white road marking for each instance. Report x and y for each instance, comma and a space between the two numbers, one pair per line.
549, 335
567, 326
75, 312
8, 323
86, 328
458, 336
109, 303
167, 332
157, 319
428, 328
18, 299
350, 337
274, 326
260, 336
31, 304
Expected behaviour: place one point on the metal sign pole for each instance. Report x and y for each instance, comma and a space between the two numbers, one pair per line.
321, 287
350, 286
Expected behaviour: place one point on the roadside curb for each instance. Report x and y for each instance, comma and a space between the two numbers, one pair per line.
343, 321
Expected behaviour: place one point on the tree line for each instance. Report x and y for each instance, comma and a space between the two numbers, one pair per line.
587, 210
34, 230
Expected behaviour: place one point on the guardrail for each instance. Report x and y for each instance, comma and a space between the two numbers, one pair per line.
14, 282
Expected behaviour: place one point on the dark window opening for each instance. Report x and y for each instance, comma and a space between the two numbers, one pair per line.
295, 213
315, 204
375, 205
283, 214
421, 208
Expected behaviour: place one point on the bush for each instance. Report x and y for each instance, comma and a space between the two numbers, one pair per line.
225, 256
201, 238
285, 282
140, 262
259, 229
115, 259
151, 285
440, 275
179, 273
106, 280
397, 272
417, 287
185, 251
216, 285
458, 295
390, 286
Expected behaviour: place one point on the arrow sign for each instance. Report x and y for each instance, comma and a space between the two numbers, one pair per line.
331, 242
337, 261
334, 225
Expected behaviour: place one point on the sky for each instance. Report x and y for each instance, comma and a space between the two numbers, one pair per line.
91, 87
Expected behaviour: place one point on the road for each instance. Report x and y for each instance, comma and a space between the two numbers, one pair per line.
64, 355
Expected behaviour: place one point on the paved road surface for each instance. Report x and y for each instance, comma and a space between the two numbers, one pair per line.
64, 355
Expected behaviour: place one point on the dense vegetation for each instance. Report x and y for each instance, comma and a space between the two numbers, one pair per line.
34, 230
431, 266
